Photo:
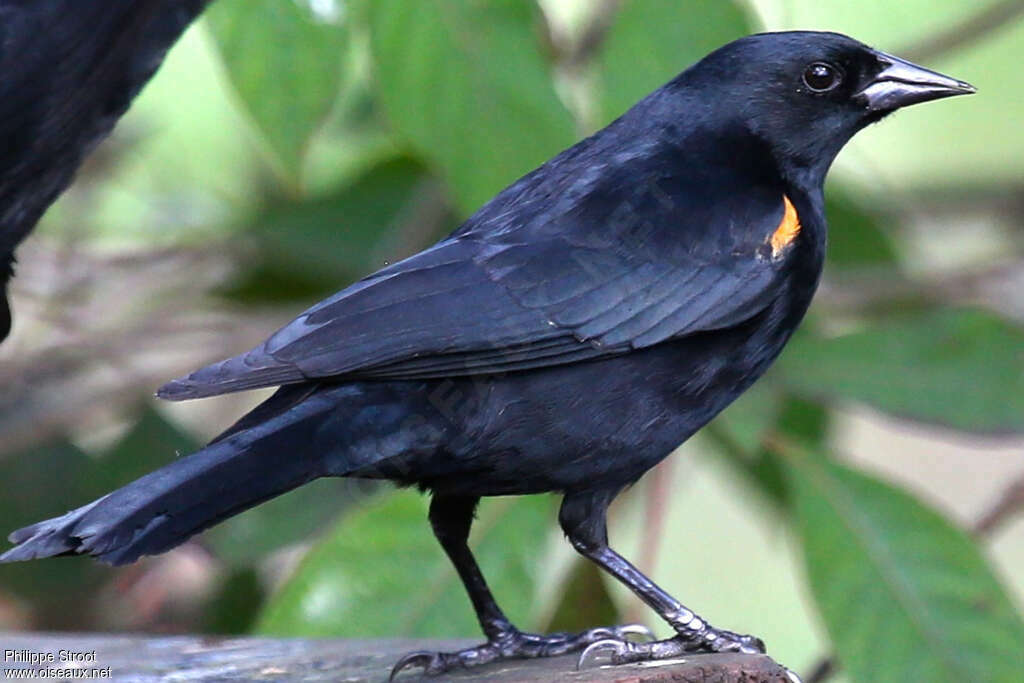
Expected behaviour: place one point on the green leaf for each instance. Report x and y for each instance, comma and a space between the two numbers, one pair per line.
466, 85
294, 517
752, 415
311, 248
739, 434
651, 41
804, 420
585, 601
38, 484
236, 604
855, 235
906, 596
382, 573
284, 61
963, 368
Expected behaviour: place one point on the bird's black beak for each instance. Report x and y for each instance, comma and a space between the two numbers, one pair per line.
901, 83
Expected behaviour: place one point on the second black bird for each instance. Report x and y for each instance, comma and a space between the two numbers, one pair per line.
567, 337
68, 71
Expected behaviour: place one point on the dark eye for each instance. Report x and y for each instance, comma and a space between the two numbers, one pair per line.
820, 77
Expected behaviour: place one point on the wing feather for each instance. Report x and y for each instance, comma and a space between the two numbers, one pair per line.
478, 305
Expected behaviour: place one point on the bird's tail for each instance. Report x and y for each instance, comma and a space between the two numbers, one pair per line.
250, 463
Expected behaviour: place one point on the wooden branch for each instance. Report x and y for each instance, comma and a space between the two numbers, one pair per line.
198, 658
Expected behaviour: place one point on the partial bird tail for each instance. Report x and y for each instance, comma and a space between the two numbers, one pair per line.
253, 461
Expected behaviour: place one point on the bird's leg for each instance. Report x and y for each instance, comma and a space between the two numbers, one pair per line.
450, 518
582, 517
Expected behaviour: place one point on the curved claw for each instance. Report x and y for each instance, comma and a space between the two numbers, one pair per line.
421, 658
639, 630
791, 675
594, 650
752, 645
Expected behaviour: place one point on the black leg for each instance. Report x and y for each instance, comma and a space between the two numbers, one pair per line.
451, 518
582, 517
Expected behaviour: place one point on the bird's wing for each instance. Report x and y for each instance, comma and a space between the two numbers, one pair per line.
476, 306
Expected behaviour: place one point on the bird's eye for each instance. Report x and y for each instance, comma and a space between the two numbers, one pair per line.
820, 77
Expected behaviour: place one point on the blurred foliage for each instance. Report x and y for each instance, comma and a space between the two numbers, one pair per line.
299, 252
62, 471
906, 595
332, 593
466, 85
309, 70
236, 604
377, 123
907, 364
71, 477
647, 41
856, 239
302, 513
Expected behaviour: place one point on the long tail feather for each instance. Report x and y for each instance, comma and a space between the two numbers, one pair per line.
164, 508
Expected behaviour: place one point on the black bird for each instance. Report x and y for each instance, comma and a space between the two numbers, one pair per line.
68, 71
567, 337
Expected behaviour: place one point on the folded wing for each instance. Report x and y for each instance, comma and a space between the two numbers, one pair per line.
472, 305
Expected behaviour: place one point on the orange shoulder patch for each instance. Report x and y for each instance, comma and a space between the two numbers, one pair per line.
789, 228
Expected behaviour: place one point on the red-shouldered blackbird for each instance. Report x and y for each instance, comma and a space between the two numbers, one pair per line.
68, 71
567, 337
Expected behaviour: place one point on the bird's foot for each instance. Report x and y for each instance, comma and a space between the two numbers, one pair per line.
517, 645
617, 651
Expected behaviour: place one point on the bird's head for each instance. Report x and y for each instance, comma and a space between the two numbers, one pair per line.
806, 93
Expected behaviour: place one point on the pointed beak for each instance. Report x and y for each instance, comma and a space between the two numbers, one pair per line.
901, 83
